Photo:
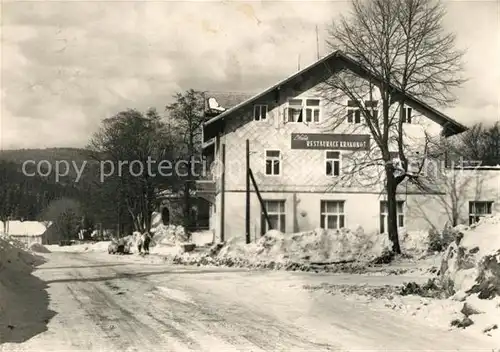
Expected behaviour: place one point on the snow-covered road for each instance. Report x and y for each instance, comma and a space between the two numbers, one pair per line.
124, 303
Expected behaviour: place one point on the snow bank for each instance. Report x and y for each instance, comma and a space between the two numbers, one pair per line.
321, 246
472, 262
311, 246
471, 268
15, 261
14, 256
23, 298
345, 249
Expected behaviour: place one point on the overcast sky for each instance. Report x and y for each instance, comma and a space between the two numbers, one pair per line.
67, 65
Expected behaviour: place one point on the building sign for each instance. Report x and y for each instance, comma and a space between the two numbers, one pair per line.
330, 141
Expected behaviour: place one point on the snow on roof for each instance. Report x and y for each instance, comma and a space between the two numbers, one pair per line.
23, 228
228, 100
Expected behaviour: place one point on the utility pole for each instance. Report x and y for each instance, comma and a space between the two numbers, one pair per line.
247, 204
223, 194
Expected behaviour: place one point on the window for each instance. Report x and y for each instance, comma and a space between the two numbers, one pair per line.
312, 110
259, 112
407, 112
304, 110
384, 211
372, 108
273, 158
276, 213
332, 163
295, 110
354, 112
332, 214
477, 210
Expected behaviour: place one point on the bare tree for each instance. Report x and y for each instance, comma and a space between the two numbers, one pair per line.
136, 152
402, 46
480, 144
187, 117
458, 175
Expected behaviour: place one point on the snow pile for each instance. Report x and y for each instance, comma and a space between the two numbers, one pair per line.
415, 243
168, 235
23, 300
471, 268
306, 251
312, 246
203, 238
38, 248
14, 256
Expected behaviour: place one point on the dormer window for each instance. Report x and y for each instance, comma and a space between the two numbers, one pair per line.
259, 112
303, 110
407, 114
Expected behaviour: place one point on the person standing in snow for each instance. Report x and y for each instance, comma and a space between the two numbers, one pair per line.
145, 242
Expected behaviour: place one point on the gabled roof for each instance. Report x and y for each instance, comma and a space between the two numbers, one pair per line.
451, 126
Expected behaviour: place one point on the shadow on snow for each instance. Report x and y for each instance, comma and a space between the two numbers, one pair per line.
24, 303
146, 274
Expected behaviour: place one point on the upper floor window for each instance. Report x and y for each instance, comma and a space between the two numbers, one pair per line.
332, 163
407, 114
354, 111
273, 162
478, 209
259, 112
371, 107
303, 110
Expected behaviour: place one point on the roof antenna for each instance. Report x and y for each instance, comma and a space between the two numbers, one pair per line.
298, 63
317, 42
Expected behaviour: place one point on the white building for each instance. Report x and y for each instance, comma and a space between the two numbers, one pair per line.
28, 232
298, 164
